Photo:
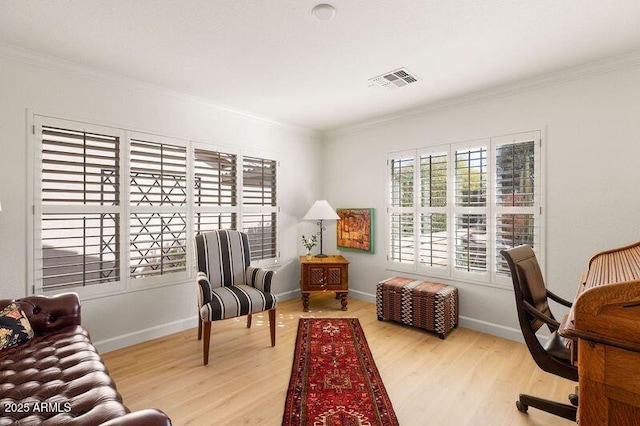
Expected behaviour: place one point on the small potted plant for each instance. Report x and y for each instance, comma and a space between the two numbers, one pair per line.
309, 243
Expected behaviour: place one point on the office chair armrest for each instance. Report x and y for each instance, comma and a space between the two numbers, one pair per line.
542, 317
558, 299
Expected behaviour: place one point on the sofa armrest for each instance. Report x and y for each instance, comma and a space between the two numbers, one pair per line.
259, 278
148, 417
50, 313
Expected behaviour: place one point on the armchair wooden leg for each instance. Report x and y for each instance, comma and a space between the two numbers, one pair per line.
199, 327
249, 321
272, 326
205, 343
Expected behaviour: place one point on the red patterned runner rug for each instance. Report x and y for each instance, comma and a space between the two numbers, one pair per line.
334, 380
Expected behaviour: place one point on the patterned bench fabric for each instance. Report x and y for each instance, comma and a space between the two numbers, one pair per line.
227, 286
428, 305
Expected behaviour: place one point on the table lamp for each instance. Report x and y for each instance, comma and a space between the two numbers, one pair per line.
321, 210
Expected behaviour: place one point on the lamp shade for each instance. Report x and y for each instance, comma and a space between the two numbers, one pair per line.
321, 210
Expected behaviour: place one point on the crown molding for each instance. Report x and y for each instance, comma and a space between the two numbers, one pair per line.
19, 54
550, 79
37, 59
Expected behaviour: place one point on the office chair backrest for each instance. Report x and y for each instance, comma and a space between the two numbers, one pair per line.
528, 285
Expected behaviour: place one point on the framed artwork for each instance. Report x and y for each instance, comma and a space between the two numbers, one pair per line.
354, 230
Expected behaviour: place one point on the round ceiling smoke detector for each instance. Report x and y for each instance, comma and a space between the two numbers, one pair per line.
324, 12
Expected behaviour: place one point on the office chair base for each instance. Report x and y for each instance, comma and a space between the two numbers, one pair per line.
563, 410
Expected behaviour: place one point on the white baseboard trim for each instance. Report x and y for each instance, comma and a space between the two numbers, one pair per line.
147, 334
187, 323
361, 295
490, 328
140, 336
288, 295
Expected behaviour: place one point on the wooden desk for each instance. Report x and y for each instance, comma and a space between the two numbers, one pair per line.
329, 273
605, 324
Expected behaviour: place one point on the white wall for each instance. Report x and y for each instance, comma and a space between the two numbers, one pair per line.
60, 89
592, 148
592, 177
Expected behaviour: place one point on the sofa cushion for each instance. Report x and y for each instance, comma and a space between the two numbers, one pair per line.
61, 367
57, 377
14, 327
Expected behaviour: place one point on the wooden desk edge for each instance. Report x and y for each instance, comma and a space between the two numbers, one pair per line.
567, 330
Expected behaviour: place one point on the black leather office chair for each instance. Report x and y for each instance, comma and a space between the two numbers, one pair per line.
533, 313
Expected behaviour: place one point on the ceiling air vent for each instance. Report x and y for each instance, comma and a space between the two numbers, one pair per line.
394, 79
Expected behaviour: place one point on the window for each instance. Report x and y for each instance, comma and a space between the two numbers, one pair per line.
216, 198
79, 205
259, 206
116, 209
401, 211
433, 247
517, 197
158, 207
470, 207
452, 208
215, 190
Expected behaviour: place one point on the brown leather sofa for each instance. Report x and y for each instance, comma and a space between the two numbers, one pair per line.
57, 377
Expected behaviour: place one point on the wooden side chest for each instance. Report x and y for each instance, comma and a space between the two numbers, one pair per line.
329, 273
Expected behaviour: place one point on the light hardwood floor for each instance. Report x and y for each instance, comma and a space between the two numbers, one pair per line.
470, 378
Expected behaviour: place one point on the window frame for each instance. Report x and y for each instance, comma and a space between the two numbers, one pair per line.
431, 151
181, 276
234, 207
539, 248
125, 209
462, 210
35, 276
260, 209
400, 210
490, 210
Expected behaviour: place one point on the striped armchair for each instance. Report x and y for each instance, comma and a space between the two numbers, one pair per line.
227, 286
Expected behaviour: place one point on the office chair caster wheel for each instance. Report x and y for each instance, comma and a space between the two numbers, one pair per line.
521, 407
573, 398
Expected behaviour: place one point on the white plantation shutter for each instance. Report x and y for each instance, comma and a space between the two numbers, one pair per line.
471, 242
452, 208
158, 199
433, 236
78, 212
215, 190
516, 186
259, 206
116, 209
401, 212
261, 231
470, 207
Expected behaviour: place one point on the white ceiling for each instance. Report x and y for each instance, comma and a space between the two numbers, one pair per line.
272, 58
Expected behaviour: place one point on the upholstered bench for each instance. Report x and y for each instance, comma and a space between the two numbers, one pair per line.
427, 305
